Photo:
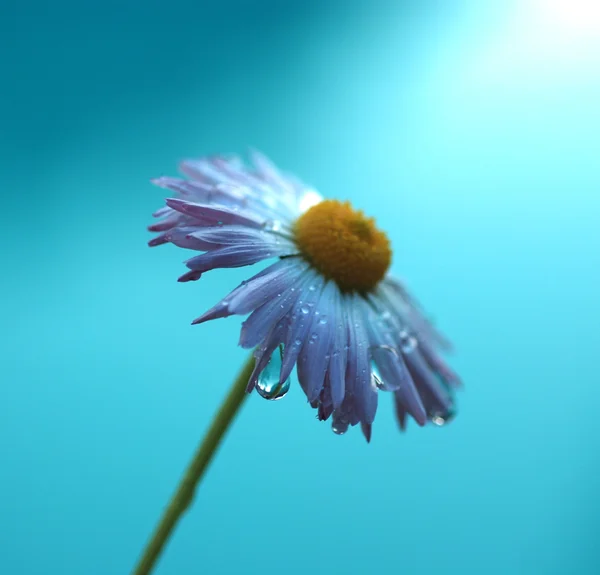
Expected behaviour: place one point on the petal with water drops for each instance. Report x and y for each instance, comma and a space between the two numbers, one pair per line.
299, 323
260, 321
256, 290
316, 349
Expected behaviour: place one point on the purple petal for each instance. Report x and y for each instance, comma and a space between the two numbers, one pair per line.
325, 411
158, 241
183, 237
393, 371
210, 238
192, 190
235, 256
162, 212
366, 429
278, 274
267, 170
265, 288
221, 236
366, 393
337, 363
401, 303
191, 276
385, 334
241, 174
213, 215
231, 257
438, 365
435, 398
165, 225
225, 193
349, 411
411, 400
325, 403
257, 195
400, 412
299, 323
204, 170
260, 321
351, 360
316, 350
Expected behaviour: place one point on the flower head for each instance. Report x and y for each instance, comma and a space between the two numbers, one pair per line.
326, 306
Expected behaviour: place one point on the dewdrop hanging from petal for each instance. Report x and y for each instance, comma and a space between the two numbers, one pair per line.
326, 306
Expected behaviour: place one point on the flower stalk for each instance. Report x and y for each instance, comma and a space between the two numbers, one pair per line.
184, 495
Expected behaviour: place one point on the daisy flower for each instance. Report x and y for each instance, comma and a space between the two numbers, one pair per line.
326, 306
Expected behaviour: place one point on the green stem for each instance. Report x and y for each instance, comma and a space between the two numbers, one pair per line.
185, 492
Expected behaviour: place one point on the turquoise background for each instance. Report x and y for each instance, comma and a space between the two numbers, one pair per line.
470, 130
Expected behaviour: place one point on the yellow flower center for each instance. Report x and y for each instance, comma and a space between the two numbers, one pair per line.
344, 245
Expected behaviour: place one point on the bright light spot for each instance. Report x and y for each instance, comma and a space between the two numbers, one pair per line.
309, 199
572, 20
542, 42
567, 29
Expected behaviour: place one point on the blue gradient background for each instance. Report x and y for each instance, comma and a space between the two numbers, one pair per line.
470, 130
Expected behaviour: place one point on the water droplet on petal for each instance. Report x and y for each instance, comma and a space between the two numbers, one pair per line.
376, 378
441, 419
268, 385
272, 225
384, 321
311, 288
304, 309
408, 342
323, 319
339, 425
